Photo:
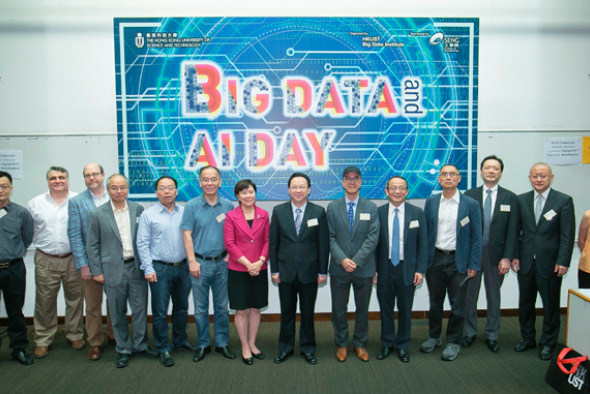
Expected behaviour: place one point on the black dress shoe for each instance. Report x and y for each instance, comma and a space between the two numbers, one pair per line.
282, 357
403, 355
248, 361
166, 359
148, 353
226, 351
523, 345
201, 353
493, 345
258, 355
187, 346
468, 340
23, 357
545, 353
309, 358
384, 352
123, 360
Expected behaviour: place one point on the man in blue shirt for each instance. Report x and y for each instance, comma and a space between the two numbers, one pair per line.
202, 228
163, 261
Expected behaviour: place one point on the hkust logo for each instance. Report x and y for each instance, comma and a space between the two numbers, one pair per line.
139, 40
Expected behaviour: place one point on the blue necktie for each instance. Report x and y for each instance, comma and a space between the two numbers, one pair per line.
395, 240
297, 220
487, 217
351, 215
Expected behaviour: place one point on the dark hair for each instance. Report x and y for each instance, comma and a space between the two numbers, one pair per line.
7, 175
492, 157
166, 177
57, 169
243, 185
208, 167
449, 165
299, 175
396, 177
99, 167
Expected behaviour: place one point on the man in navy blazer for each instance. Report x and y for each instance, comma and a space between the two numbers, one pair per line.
547, 232
399, 269
454, 255
500, 217
298, 253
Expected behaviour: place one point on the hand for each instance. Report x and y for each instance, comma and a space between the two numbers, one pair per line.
375, 278
151, 277
99, 279
504, 267
560, 269
471, 273
418, 279
85, 273
254, 268
348, 265
275, 278
515, 265
322, 279
194, 268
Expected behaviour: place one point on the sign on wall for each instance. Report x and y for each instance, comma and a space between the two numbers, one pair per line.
261, 98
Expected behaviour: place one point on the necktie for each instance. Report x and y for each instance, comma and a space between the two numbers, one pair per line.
297, 220
395, 240
538, 208
487, 217
351, 215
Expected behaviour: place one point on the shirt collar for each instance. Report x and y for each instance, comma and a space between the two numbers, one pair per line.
163, 208
493, 189
355, 201
293, 207
455, 197
545, 194
115, 209
400, 209
204, 202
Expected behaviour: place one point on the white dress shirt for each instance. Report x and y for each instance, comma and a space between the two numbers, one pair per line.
446, 236
124, 226
100, 200
401, 214
493, 195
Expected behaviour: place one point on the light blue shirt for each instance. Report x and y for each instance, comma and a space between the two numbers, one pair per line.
356, 204
159, 236
294, 208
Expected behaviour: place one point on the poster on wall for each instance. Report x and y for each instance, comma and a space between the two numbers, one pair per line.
261, 98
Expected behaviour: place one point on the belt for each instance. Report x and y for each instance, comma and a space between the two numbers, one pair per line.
129, 260
170, 264
445, 251
9, 263
212, 258
56, 256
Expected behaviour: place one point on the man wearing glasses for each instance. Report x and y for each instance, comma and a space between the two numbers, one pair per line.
202, 231
454, 255
163, 261
354, 233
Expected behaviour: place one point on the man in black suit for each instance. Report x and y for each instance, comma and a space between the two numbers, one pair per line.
298, 253
401, 265
500, 213
547, 231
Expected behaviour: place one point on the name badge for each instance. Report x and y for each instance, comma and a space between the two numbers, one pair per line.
550, 215
504, 208
465, 221
220, 218
365, 216
313, 222
414, 224
3, 213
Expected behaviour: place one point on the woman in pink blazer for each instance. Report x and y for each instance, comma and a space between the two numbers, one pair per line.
246, 240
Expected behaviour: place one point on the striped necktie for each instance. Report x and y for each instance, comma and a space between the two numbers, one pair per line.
298, 218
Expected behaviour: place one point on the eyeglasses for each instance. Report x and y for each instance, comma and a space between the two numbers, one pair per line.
539, 176
295, 188
394, 189
448, 174
93, 175
352, 180
169, 188
209, 180
120, 188
5, 187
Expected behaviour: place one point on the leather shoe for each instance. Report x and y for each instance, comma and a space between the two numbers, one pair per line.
148, 353
282, 357
94, 353
78, 344
187, 346
467, 341
123, 360
342, 353
545, 353
523, 345
41, 351
362, 353
166, 359
384, 352
248, 361
403, 355
258, 355
309, 358
201, 353
493, 345
23, 357
226, 351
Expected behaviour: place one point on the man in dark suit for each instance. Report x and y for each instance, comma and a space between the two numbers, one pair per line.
454, 254
401, 264
500, 213
298, 253
114, 262
547, 231
354, 233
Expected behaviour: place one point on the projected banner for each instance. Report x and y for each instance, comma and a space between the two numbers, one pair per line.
261, 98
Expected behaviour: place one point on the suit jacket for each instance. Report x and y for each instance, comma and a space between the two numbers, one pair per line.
241, 240
103, 242
415, 239
551, 241
504, 224
358, 246
304, 256
78, 209
468, 241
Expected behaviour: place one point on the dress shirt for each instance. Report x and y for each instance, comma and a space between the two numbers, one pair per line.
356, 204
124, 226
16, 232
99, 200
493, 195
51, 223
159, 236
446, 236
545, 194
401, 212
293, 207
206, 222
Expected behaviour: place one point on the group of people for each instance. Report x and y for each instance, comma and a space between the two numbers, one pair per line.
100, 242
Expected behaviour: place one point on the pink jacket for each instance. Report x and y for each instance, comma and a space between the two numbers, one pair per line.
241, 240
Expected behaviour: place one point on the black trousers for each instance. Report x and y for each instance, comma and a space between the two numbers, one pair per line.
13, 287
583, 280
288, 293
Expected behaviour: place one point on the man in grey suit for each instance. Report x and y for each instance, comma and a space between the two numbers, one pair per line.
500, 213
401, 265
354, 233
547, 232
454, 255
114, 262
